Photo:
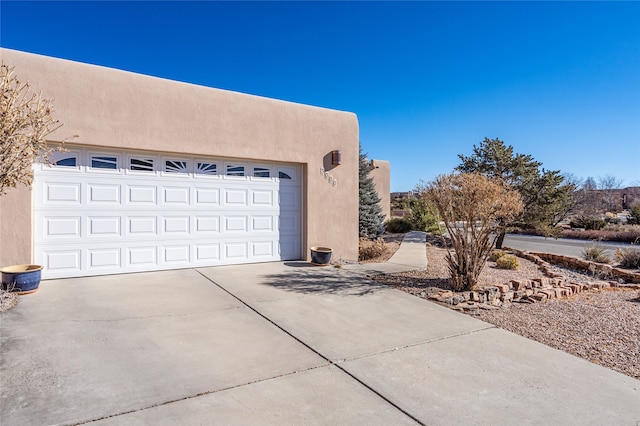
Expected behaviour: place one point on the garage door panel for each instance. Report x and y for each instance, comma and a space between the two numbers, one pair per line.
92, 221
235, 197
207, 197
207, 252
262, 249
142, 225
176, 254
142, 256
289, 223
262, 198
237, 250
262, 223
289, 198
103, 194
289, 249
104, 226
176, 196
104, 258
174, 225
207, 224
62, 261
62, 227
62, 193
142, 195
235, 224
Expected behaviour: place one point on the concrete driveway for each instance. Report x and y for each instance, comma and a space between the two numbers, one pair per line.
281, 343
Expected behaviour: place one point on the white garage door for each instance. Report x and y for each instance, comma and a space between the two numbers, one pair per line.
105, 212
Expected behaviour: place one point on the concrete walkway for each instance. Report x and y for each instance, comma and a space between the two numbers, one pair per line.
282, 343
409, 257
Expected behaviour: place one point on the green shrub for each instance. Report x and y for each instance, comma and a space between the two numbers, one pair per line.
398, 225
370, 249
423, 216
507, 261
496, 254
629, 258
588, 223
596, 253
634, 216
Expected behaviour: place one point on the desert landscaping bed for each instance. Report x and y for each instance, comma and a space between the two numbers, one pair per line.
601, 323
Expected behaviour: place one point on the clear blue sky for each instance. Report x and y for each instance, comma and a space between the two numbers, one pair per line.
428, 80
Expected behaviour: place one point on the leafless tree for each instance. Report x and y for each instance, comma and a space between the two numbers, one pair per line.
607, 185
474, 209
25, 121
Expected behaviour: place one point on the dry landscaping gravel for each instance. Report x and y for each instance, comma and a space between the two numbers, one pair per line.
601, 326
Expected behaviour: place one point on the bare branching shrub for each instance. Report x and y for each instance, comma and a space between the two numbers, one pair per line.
473, 209
596, 253
25, 122
370, 249
508, 261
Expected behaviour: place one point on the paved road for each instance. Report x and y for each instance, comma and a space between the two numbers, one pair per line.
566, 247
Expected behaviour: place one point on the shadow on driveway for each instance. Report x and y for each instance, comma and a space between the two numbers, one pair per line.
306, 278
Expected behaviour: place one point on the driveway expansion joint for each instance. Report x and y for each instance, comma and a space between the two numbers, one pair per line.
199, 394
413, 345
315, 351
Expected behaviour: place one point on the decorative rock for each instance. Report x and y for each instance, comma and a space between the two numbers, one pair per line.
507, 297
490, 293
468, 307
457, 299
540, 296
517, 285
503, 288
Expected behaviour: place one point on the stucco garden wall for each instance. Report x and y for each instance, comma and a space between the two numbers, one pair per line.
381, 175
117, 109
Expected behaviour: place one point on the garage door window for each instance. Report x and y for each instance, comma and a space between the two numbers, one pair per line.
235, 170
286, 173
104, 162
175, 166
67, 161
206, 168
262, 172
141, 164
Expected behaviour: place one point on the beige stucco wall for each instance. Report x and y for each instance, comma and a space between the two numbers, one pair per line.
15, 226
381, 175
118, 109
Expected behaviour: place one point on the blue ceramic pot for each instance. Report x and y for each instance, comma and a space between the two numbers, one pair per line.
21, 278
321, 255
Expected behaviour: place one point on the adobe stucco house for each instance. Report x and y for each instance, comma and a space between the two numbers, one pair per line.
167, 175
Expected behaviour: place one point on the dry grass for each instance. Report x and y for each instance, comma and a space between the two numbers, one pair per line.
7, 300
380, 250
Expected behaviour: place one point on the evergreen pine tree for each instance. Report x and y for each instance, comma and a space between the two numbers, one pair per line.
371, 217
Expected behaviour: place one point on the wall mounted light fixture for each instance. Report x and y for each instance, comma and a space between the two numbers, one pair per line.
336, 157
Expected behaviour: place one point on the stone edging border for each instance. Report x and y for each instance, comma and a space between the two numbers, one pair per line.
607, 271
552, 286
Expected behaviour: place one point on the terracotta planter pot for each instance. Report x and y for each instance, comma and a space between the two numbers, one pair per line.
321, 255
23, 279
